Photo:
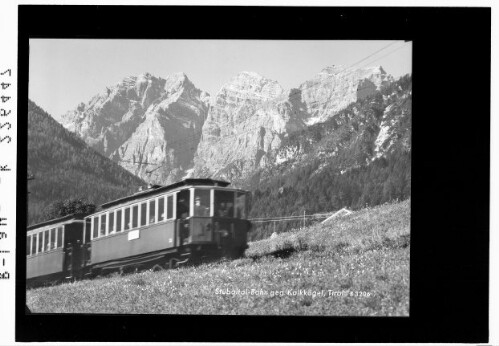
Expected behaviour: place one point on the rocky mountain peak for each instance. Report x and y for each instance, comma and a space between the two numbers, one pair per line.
333, 69
177, 78
336, 86
247, 120
380, 69
141, 123
139, 81
249, 85
249, 75
180, 85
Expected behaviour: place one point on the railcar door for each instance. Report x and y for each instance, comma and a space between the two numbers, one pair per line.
73, 258
183, 216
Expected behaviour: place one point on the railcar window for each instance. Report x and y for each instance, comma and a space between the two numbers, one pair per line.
46, 245
224, 203
118, 220
52, 239
135, 215
128, 224
241, 205
40, 242
59, 236
111, 222
169, 206
95, 227
183, 204
201, 202
152, 211
143, 214
33, 244
45, 240
28, 246
161, 209
103, 220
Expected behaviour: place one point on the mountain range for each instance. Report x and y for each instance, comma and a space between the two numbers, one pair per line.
163, 130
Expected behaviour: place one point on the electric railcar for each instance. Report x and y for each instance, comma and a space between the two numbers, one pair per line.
159, 227
53, 249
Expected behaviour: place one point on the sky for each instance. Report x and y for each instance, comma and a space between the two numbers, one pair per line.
66, 72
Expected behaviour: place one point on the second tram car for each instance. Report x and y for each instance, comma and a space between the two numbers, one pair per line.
54, 251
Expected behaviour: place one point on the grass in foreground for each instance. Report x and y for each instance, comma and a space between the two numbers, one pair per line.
356, 266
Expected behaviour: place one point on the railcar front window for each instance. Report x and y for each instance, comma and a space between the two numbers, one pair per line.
224, 203
103, 220
183, 204
161, 209
95, 227
169, 206
143, 214
45, 240
40, 242
152, 211
118, 221
59, 236
128, 224
111, 222
33, 244
95, 224
241, 205
201, 202
52, 239
135, 215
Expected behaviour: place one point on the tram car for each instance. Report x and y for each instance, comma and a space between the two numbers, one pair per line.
191, 221
54, 250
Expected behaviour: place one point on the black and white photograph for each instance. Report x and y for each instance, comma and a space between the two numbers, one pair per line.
219, 177
248, 173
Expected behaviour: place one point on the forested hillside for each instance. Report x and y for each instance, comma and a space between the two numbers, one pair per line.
347, 161
64, 167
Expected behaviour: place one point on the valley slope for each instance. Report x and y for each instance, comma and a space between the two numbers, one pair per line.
64, 167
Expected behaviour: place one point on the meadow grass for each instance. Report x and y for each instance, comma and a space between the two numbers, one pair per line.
356, 266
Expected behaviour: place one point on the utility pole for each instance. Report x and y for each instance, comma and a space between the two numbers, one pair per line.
303, 218
30, 177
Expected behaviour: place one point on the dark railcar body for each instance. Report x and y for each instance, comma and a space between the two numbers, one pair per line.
54, 249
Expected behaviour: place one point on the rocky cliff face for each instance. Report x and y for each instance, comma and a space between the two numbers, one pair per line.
150, 126
251, 115
335, 87
364, 131
247, 120
111, 117
164, 130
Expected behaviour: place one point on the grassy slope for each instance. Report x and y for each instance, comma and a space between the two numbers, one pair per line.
367, 251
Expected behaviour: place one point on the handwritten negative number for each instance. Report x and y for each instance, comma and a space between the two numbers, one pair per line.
6, 137
4, 112
5, 124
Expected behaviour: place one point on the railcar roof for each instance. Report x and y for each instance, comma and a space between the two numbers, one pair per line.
155, 189
77, 216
